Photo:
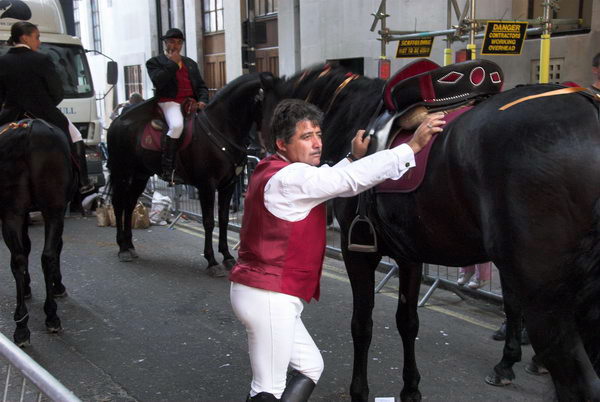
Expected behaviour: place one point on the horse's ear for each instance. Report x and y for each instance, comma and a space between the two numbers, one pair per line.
267, 80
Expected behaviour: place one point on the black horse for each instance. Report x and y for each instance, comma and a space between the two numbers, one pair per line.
36, 172
211, 162
520, 187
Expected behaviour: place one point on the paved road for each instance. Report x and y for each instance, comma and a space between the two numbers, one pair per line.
161, 329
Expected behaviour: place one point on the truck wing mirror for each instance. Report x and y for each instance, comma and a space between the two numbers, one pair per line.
112, 72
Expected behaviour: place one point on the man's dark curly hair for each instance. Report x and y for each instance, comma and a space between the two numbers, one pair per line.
290, 112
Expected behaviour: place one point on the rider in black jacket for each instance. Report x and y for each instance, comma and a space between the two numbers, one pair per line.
175, 78
31, 87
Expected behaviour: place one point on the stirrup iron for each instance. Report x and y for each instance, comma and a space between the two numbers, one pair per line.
362, 248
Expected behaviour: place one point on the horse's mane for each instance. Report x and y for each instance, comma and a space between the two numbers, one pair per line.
346, 111
234, 85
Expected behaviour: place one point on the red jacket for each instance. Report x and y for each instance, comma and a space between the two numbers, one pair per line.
276, 254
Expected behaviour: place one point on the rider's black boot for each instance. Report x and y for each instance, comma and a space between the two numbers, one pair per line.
298, 388
84, 181
262, 397
168, 162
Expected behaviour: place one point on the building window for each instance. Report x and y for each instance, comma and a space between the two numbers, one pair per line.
265, 7
133, 80
77, 19
213, 15
96, 26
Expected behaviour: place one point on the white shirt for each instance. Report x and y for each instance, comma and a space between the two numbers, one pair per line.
299, 187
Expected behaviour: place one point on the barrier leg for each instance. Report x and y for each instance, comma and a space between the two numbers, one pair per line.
391, 273
175, 220
429, 292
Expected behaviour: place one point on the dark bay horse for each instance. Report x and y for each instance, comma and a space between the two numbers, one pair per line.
210, 163
520, 187
36, 172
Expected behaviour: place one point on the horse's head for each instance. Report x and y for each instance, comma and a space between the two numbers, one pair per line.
272, 92
347, 100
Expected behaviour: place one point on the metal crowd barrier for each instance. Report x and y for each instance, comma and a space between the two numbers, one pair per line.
186, 204
26, 380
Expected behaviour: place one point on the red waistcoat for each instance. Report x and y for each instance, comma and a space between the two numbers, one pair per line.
276, 254
184, 86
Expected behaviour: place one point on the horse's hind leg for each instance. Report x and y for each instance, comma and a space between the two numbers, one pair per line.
225, 196
558, 345
14, 231
407, 322
503, 373
125, 196
54, 224
58, 288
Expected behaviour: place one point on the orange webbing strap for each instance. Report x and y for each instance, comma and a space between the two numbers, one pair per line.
562, 91
12, 126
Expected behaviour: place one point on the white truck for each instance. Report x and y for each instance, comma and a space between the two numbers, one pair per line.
69, 57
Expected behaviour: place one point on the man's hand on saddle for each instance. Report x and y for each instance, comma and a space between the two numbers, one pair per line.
360, 144
432, 124
201, 105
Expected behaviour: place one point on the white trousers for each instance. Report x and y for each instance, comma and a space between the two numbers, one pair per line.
74, 133
277, 337
172, 112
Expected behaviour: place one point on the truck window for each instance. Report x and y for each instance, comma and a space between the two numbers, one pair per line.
71, 65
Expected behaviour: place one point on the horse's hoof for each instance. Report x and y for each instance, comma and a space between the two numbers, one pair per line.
59, 291
497, 381
412, 396
134, 253
229, 263
22, 338
216, 271
125, 256
536, 369
54, 326
59, 295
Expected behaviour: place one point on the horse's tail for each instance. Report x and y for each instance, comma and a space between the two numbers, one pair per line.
587, 261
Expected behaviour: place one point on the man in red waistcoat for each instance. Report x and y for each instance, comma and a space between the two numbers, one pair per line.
283, 242
175, 78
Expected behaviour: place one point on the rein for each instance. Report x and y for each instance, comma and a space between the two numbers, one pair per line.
223, 143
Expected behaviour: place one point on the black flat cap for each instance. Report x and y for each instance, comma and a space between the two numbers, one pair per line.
173, 33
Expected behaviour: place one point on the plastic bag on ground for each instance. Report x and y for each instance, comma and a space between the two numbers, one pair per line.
160, 209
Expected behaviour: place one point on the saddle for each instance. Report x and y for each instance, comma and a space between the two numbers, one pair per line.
155, 130
420, 88
423, 87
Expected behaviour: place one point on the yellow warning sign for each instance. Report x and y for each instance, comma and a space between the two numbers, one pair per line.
416, 47
504, 37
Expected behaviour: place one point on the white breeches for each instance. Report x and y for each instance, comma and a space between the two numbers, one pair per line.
174, 118
74, 133
277, 337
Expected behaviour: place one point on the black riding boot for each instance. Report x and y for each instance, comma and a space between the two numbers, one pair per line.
262, 397
84, 181
298, 388
168, 162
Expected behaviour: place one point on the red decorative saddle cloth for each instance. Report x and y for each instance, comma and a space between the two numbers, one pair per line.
414, 177
152, 138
